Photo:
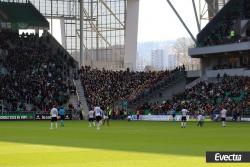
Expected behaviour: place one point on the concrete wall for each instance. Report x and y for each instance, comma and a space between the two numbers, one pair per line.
110, 65
230, 72
198, 52
194, 73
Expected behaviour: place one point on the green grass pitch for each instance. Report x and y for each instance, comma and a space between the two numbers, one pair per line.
123, 144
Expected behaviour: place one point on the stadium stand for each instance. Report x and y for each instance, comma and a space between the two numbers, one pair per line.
106, 88
233, 92
13, 13
34, 74
226, 26
223, 47
35, 71
230, 25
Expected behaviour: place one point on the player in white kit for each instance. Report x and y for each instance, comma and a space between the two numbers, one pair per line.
54, 115
105, 118
91, 116
200, 119
223, 114
184, 112
98, 116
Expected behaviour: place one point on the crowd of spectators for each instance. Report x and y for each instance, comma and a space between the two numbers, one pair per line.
37, 75
105, 88
246, 8
228, 28
232, 92
223, 33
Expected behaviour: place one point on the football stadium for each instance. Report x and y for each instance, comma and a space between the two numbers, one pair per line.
80, 100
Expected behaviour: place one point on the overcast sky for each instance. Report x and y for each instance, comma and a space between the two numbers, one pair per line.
158, 22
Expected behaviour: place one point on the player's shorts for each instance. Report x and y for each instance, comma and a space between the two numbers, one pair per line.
62, 117
223, 119
53, 119
183, 118
91, 119
98, 118
173, 115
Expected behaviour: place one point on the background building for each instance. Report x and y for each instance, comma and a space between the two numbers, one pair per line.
157, 59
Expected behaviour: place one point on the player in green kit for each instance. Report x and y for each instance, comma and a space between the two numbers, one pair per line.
109, 110
62, 115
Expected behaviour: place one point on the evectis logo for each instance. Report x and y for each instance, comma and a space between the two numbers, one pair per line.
225, 157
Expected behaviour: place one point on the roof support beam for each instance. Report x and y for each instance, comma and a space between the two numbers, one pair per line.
107, 7
196, 16
181, 20
81, 33
94, 28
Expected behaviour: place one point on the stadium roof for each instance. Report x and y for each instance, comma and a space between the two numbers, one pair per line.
14, 13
